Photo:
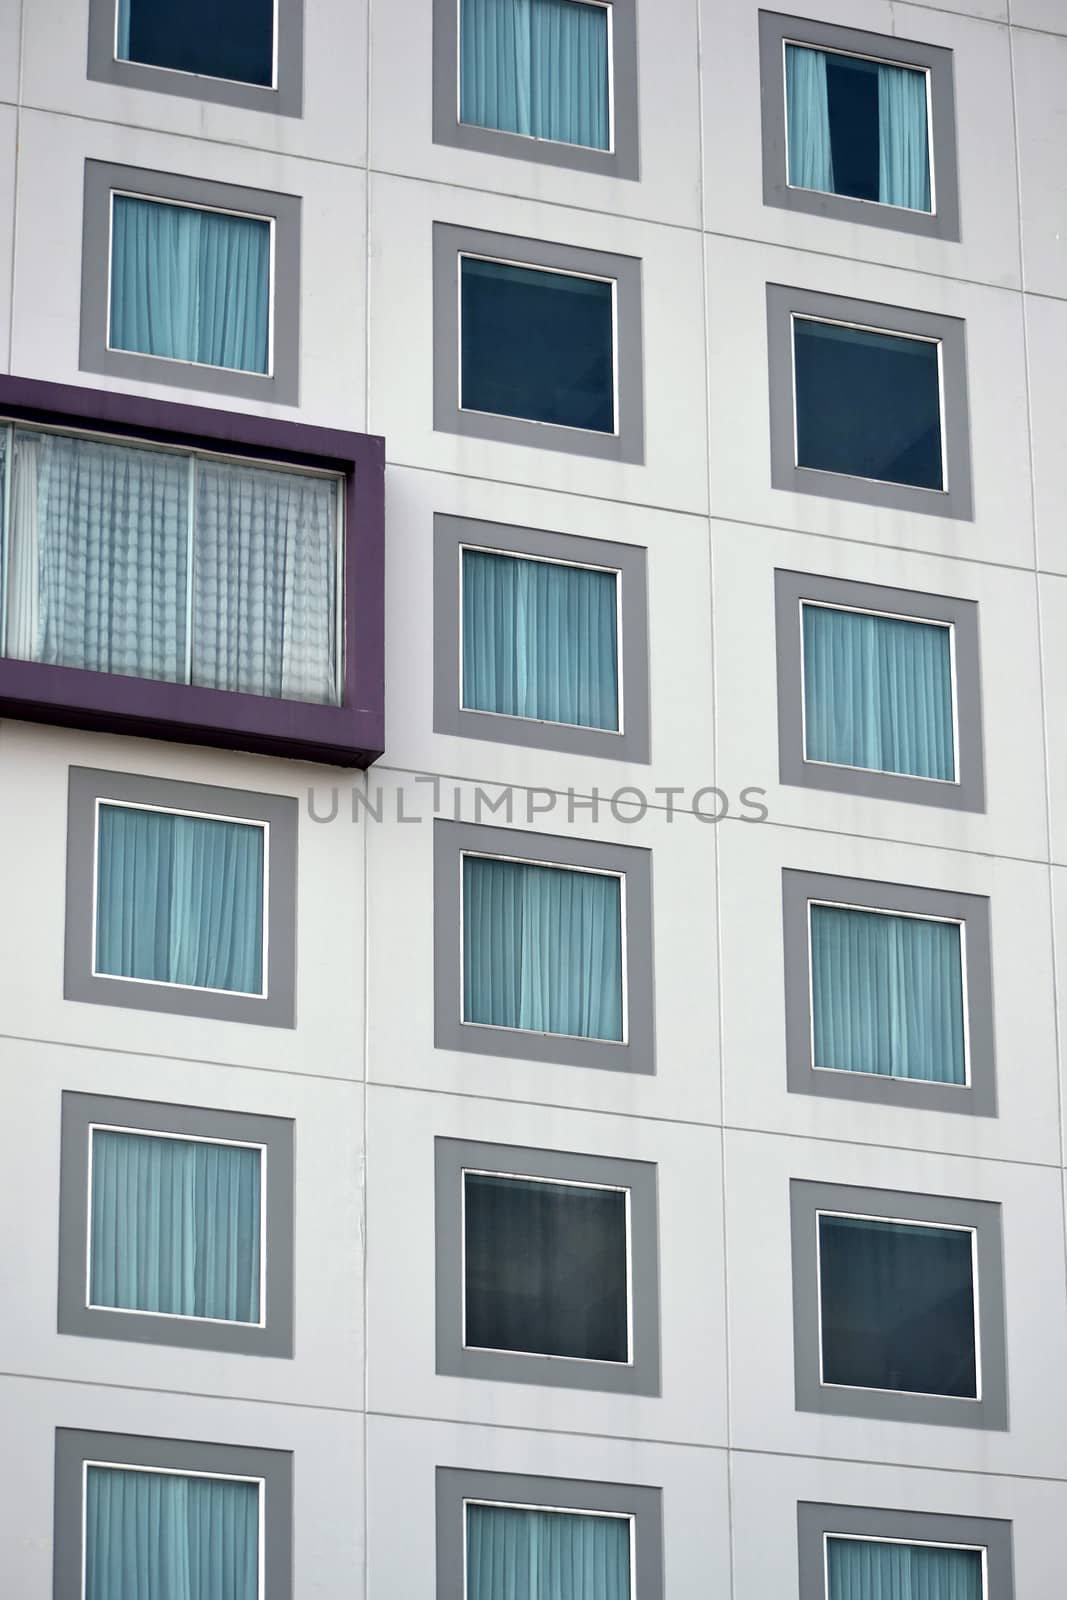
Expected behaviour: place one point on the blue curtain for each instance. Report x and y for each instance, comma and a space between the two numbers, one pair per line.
540, 640
878, 693
123, 31
192, 285
808, 140
536, 67
513, 1554
903, 147
161, 1536
180, 899
867, 1569
542, 948
174, 1226
887, 994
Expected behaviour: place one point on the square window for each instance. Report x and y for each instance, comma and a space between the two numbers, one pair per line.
898, 1306
246, 53
180, 897
553, 81
537, 344
165, 1509
540, 639
176, 1225
858, 126
590, 1541
201, 286
868, 403
546, 1268
542, 947
879, 691
888, 993
863, 1552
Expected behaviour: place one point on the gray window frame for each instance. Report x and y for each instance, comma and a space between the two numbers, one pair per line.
817, 1520
277, 1007
627, 443
642, 1504
641, 1375
955, 499
978, 1098
967, 793
281, 385
774, 31
621, 161
636, 1051
629, 562
76, 1316
274, 1468
990, 1411
284, 99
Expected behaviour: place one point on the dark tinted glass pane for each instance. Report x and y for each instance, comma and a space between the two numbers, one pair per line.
217, 38
852, 102
545, 1268
897, 1306
537, 345
867, 404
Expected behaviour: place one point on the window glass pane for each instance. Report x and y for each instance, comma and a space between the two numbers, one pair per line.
548, 1555
179, 900
174, 1226
191, 285
878, 693
215, 38
540, 640
265, 582
867, 404
857, 127
537, 345
542, 948
887, 995
897, 1306
536, 67
545, 1268
867, 1569
159, 1535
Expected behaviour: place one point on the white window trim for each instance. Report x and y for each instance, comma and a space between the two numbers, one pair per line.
546, 561
196, 816
562, 1183
903, 1222
556, 866
195, 77
563, 1511
180, 1138
556, 272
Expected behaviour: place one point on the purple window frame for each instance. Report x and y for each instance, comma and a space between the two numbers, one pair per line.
349, 735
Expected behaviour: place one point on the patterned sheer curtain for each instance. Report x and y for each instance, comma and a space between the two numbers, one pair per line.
162, 1536
536, 67
189, 284
175, 1226
540, 640
516, 1554
867, 1569
179, 899
887, 994
542, 948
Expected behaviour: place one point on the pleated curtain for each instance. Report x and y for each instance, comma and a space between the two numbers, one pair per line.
122, 30
179, 899
515, 1554
903, 142
542, 948
189, 284
540, 640
808, 111
536, 67
867, 1569
162, 1536
887, 995
878, 693
175, 1226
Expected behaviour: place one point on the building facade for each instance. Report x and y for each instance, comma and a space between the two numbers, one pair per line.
535, 809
